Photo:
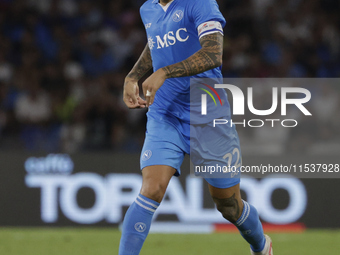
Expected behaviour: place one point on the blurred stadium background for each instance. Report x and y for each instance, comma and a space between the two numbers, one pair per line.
69, 148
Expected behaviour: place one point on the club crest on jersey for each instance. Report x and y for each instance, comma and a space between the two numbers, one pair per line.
178, 16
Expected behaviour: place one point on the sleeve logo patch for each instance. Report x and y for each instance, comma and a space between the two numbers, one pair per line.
209, 27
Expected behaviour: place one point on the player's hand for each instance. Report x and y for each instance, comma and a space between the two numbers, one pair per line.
152, 84
131, 95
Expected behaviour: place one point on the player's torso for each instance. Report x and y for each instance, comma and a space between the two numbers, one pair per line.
172, 35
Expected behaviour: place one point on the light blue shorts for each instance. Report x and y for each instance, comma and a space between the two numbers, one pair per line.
167, 142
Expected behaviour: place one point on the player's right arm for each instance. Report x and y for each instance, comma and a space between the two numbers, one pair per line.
131, 90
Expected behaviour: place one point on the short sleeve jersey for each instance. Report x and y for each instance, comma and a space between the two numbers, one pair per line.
173, 34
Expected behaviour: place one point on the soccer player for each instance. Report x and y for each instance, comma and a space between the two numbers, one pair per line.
185, 40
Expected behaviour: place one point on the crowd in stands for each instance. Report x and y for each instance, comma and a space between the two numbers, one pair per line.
63, 64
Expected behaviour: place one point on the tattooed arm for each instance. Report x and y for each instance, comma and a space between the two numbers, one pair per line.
142, 66
131, 90
208, 57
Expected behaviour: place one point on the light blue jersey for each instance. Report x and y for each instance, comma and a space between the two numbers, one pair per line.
173, 34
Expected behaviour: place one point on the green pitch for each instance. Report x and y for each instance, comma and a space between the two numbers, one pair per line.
96, 241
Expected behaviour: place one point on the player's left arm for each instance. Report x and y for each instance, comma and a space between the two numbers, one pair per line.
208, 57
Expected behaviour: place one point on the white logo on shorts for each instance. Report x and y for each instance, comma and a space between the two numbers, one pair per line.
140, 227
146, 155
